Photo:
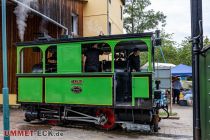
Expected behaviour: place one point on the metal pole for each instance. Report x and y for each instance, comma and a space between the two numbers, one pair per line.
108, 27
42, 15
196, 16
4, 59
132, 17
171, 91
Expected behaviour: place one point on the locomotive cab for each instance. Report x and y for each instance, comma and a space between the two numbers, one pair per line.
123, 74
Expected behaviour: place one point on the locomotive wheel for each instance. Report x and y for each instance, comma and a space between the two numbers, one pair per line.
108, 118
156, 128
53, 122
155, 121
27, 119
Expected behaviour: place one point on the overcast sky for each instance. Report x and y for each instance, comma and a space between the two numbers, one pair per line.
178, 17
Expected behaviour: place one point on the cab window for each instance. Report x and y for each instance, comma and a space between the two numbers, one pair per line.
127, 53
96, 57
31, 60
51, 59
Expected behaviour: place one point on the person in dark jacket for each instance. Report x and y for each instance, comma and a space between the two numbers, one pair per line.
91, 59
134, 60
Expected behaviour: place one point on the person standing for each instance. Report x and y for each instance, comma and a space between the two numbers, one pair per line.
91, 59
177, 87
134, 60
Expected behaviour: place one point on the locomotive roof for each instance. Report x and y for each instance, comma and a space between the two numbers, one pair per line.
83, 39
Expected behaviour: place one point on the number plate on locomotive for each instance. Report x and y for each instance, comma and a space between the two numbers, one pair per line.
76, 81
76, 89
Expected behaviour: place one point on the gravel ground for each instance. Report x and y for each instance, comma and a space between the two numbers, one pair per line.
170, 129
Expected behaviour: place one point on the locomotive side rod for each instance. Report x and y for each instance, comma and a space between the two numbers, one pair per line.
86, 118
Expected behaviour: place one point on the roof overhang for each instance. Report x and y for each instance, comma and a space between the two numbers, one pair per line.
83, 0
88, 39
123, 1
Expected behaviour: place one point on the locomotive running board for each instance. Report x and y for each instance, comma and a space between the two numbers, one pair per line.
130, 126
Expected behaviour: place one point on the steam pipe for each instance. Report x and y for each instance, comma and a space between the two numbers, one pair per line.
42, 15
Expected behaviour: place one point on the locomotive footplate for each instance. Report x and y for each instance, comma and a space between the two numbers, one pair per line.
130, 126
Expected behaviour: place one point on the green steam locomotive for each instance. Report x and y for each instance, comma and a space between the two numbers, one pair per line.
52, 85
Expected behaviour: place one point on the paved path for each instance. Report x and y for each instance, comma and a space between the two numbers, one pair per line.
182, 128
170, 129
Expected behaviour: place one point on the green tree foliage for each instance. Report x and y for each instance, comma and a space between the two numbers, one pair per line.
168, 48
177, 55
173, 53
138, 18
206, 41
143, 58
185, 52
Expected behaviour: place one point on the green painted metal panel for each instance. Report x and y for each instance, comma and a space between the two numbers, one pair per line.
205, 95
94, 90
112, 44
140, 88
69, 58
30, 89
18, 60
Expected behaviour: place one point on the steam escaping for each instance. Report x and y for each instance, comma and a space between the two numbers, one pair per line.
21, 13
44, 22
43, 26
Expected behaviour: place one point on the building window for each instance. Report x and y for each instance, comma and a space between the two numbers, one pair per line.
110, 28
74, 24
121, 12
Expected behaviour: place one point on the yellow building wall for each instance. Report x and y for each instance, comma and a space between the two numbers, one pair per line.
95, 7
115, 16
95, 17
12, 99
93, 25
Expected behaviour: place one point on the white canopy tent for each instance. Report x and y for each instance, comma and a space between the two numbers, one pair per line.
160, 66
163, 73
